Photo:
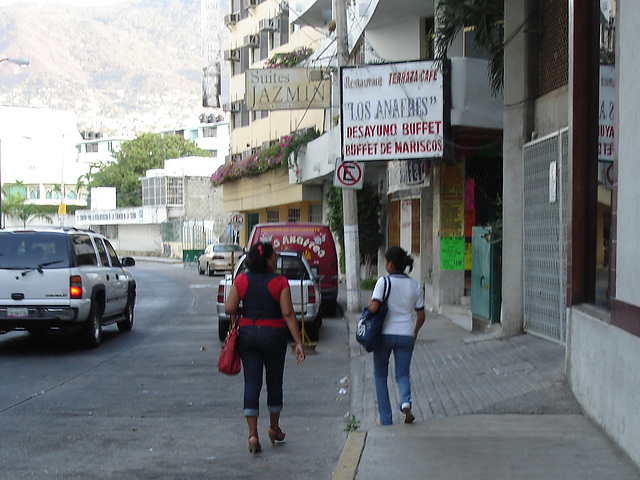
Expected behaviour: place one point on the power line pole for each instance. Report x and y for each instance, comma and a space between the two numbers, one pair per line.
349, 201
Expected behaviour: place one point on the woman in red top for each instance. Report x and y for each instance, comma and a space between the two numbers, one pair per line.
266, 311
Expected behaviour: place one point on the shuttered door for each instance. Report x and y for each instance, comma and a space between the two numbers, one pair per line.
394, 223
545, 197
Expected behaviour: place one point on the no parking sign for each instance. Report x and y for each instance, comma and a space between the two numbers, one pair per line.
348, 174
237, 222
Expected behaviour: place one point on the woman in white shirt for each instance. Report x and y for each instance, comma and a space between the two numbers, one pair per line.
399, 332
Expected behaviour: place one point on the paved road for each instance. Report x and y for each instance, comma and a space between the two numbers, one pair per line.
149, 404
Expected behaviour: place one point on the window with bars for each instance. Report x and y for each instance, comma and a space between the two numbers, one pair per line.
293, 215
273, 216
175, 190
109, 231
315, 213
154, 191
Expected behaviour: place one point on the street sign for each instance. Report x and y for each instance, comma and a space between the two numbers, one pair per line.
349, 175
237, 222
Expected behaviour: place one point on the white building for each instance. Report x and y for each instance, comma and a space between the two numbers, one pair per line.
38, 148
210, 132
181, 211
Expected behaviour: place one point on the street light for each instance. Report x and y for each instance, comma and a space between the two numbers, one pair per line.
23, 63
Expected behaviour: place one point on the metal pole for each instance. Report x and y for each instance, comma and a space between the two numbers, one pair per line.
349, 201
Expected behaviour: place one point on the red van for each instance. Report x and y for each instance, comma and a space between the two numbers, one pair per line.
315, 242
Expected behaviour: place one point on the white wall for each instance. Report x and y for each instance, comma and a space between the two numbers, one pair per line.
398, 41
604, 376
142, 239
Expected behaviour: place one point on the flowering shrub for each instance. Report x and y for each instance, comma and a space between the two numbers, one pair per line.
269, 158
289, 59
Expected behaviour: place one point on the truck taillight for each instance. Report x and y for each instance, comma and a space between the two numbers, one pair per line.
220, 293
311, 294
75, 286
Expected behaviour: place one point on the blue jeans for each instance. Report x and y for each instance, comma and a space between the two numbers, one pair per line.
262, 348
402, 348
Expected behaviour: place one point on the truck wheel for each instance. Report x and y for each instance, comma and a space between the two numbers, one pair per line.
92, 329
127, 324
223, 329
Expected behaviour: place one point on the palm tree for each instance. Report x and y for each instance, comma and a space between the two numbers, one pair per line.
486, 17
13, 204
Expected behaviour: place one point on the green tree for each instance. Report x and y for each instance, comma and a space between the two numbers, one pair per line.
369, 236
487, 19
146, 151
14, 204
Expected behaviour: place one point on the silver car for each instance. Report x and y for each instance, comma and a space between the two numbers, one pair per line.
218, 257
63, 279
305, 293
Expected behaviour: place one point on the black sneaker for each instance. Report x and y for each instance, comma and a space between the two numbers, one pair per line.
406, 413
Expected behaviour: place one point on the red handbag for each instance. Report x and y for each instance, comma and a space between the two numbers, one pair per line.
229, 361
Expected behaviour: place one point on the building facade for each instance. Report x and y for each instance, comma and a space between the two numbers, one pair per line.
576, 284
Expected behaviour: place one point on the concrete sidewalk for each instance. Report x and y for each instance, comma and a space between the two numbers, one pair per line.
486, 407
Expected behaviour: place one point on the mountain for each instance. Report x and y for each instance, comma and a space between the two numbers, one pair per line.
124, 68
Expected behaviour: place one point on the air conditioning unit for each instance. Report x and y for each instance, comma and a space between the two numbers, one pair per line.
275, 23
252, 41
232, 55
231, 19
284, 6
266, 24
251, 3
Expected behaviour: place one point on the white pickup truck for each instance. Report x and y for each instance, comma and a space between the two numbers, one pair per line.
304, 285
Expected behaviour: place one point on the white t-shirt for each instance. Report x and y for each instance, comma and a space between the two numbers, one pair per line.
406, 297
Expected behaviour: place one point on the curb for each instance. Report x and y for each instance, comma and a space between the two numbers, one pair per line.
350, 458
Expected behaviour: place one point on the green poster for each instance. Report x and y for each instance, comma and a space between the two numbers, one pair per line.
451, 253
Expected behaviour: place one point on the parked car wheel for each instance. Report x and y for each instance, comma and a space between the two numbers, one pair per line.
210, 270
330, 308
92, 329
127, 324
223, 329
200, 270
313, 329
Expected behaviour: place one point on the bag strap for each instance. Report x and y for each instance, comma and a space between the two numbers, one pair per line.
387, 288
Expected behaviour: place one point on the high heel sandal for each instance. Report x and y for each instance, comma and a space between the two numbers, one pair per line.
254, 444
275, 434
